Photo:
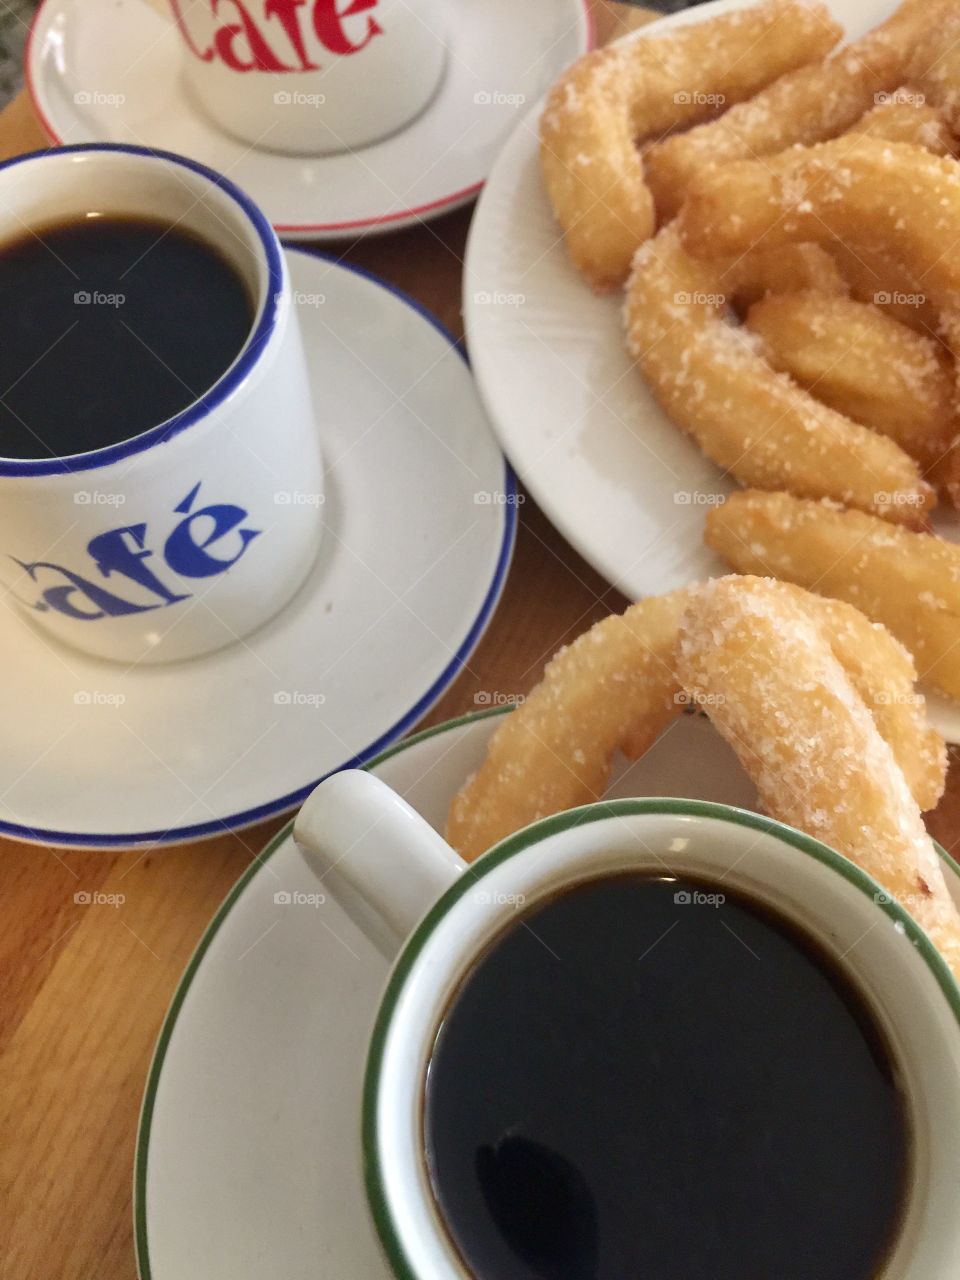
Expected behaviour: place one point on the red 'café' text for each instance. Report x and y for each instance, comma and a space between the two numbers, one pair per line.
279, 42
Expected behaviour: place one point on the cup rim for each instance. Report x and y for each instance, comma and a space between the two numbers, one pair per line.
378, 1198
229, 381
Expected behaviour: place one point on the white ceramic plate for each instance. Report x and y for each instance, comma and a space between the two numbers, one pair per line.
420, 518
574, 416
109, 71
248, 1157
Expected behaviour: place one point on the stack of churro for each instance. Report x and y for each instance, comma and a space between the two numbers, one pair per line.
787, 238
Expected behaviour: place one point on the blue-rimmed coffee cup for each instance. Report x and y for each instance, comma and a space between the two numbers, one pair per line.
437, 916
178, 540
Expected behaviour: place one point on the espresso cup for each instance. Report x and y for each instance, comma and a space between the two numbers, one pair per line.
178, 540
314, 78
437, 918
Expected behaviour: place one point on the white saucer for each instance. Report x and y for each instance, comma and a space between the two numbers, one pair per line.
108, 71
420, 519
248, 1161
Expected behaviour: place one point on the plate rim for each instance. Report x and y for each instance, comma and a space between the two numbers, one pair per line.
236, 891
377, 222
392, 734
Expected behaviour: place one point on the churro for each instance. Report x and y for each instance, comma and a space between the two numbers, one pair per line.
811, 104
713, 381
641, 88
866, 365
781, 697
908, 581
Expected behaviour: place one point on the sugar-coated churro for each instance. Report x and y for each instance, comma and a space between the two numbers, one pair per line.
640, 88
781, 697
713, 381
908, 581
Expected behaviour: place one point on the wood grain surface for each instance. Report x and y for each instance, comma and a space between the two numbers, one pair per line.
83, 990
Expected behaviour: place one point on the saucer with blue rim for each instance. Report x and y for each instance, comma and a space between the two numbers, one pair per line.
419, 520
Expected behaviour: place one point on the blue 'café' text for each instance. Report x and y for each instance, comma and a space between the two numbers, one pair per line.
200, 546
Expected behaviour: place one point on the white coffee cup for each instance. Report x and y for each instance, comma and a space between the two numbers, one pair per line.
179, 540
315, 77
413, 896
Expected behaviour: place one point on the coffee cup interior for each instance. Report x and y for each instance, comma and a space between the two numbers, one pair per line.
883, 955
120, 182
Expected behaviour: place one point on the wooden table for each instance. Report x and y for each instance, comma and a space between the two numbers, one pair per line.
83, 990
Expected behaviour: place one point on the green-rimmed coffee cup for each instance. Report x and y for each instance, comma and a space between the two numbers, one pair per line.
436, 915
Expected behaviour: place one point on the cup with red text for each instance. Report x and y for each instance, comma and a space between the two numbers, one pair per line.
311, 76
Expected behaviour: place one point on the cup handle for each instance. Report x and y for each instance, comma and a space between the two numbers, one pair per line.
382, 862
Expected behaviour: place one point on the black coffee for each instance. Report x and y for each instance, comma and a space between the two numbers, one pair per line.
634, 1084
110, 326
